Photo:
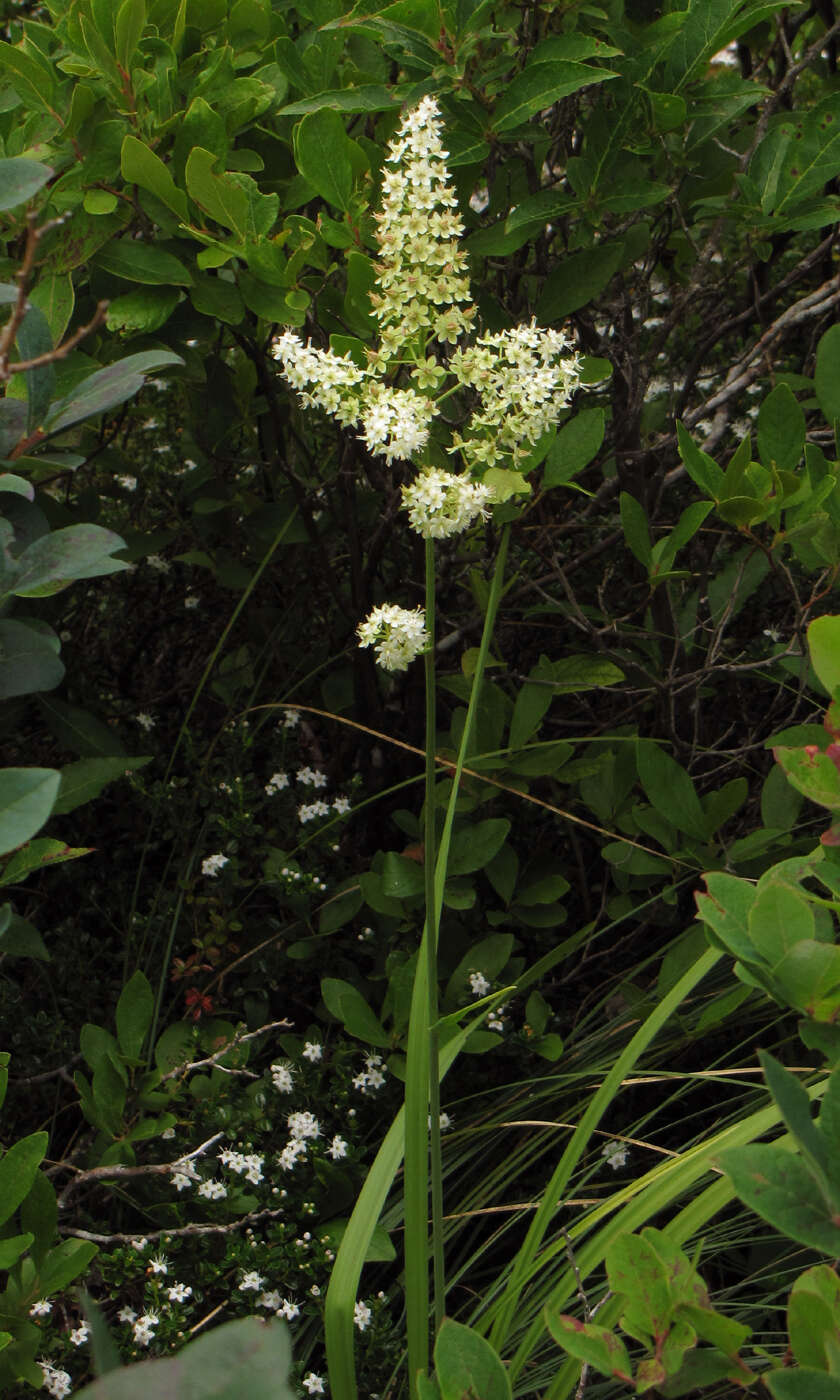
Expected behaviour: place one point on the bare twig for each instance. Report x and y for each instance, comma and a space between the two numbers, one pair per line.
213, 1060
119, 1171
178, 1230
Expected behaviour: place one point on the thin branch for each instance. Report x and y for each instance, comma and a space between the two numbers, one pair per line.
213, 1060
178, 1230
118, 1171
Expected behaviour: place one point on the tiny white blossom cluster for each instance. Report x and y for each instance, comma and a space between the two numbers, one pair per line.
372, 1076
247, 1164
56, 1381
614, 1154
523, 383
398, 634
441, 504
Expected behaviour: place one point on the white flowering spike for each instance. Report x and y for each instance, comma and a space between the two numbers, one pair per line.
397, 634
523, 385
422, 272
441, 504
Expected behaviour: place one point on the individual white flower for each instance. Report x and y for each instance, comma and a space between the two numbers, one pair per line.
615, 1154
303, 1125
313, 1051
276, 783
362, 1315
251, 1280
140, 1244
212, 1190
397, 634
126, 1315
341, 805
80, 1334
41, 1308
145, 720
315, 1291
282, 1078
180, 1180
213, 864
128, 483
254, 1168
337, 1148
168, 1134
158, 1264
441, 504
291, 720
192, 601
161, 566
445, 1122
479, 986
289, 1309
179, 1292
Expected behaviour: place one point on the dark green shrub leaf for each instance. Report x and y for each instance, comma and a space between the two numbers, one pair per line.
134, 1014
780, 1188
781, 430
20, 178
29, 660
465, 1364
26, 800
18, 1167
348, 1005
595, 1345
670, 790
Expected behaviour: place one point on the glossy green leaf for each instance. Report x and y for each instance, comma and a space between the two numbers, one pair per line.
781, 430
323, 156
597, 1346
26, 800
20, 179
475, 845
670, 790
701, 468
780, 1188
466, 1364
18, 1167
135, 1009
140, 166
107, 388
348, 1005
29, 660
142, 262
577, 280
635, 526
57, 559
217, 195
34, 339
541, 85
824, 649
574, 447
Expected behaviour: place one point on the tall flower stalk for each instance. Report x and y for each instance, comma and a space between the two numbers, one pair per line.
520, 381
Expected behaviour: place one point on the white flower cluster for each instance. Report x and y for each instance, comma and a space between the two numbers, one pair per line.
144, 1328
395, 422
422, 272
276, 783
323, 379
399, 635
282, 1077
372, 1076
55, 1381
213, 864
441, 504
479, 986
247, 1164
614, 1154
302, 1126
522, 386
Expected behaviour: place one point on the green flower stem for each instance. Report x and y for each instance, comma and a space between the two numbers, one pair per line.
418, 1109
439, 1291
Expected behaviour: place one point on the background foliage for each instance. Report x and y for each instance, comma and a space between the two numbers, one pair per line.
187, 553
